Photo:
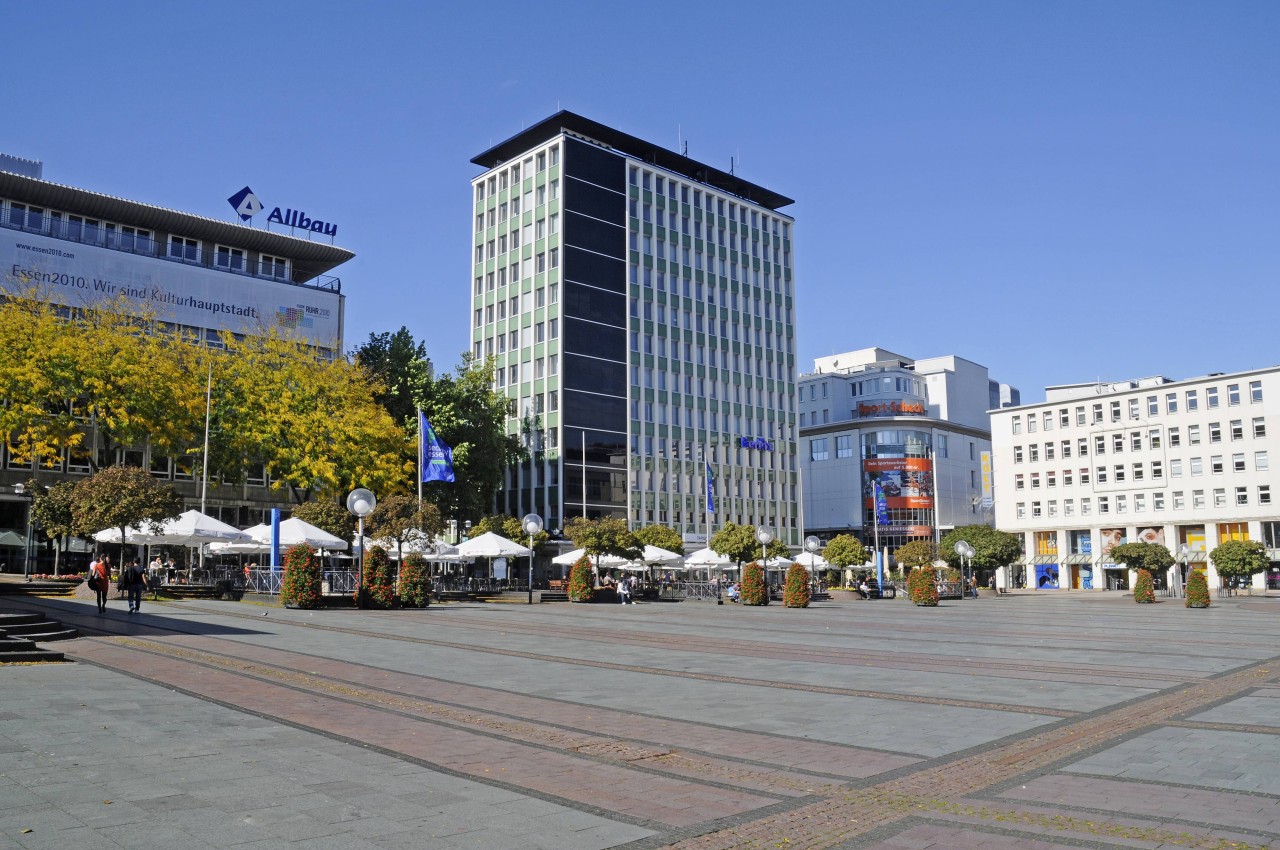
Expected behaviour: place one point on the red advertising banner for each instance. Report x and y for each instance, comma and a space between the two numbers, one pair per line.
907, 482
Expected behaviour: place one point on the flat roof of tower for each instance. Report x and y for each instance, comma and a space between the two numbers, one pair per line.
551, 127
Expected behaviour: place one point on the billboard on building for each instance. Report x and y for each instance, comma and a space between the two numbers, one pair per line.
1111, 538
77, 275
907, 482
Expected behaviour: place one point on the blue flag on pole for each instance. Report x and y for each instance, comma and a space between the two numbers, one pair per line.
882, 504
711, 489
435, 458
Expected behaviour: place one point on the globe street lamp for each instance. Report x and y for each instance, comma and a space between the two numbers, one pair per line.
811, 545
532, 524
29, 498
361, 502
764, 534
966, 553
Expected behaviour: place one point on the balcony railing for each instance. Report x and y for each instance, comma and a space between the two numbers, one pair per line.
115, 239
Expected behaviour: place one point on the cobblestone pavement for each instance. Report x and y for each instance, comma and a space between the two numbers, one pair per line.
1039, 721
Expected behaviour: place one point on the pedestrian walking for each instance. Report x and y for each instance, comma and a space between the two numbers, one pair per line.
135, 582
100, 581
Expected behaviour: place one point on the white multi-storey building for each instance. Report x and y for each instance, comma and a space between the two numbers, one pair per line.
1180, 463
638, 305
918, 427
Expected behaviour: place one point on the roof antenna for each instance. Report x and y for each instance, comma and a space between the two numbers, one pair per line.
731, 166
686, 148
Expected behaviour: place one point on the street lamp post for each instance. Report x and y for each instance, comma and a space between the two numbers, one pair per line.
29, 498
764, 534
811, 545
361, 502
532, 524
966, 553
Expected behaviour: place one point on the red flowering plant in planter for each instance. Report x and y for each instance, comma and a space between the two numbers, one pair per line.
753, 590
922, 587
300, 586
415, 582
1197, 590
795, 593
581, 584
1144, 589
378, 580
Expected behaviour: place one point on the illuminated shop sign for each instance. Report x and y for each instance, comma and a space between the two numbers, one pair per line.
756, 443
892, 408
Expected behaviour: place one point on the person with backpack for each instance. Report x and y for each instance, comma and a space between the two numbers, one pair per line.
135, 581
100, 581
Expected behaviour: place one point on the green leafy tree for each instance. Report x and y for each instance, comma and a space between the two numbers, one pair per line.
1151, 557
328, 515
120, 496
915, 553
845, 550
415, 581
378, 581
400, 365
300, 587
661, 536
52, 509
582, 586
992, 548
738, 543
1239, 558
795, 593
399, 519
603, 536
1197, 590
753, 590
471, 418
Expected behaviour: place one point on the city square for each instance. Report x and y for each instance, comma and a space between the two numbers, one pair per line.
1023, 720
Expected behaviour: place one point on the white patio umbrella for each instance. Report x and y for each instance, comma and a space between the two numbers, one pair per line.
192, 528
778, 563
133, 534
491, 545
607, 562
707, 558
812, 560
653, 556
294, 531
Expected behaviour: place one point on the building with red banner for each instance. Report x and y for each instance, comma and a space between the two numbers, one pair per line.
920, 429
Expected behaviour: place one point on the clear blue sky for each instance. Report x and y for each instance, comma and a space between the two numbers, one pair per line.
1058, 190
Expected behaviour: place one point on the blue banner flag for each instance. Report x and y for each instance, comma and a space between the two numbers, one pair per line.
882, 504
435, 459
711, 490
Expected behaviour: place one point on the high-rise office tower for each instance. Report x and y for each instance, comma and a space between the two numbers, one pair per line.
639, 308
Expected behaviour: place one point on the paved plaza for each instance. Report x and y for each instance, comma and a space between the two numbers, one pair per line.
1033, 721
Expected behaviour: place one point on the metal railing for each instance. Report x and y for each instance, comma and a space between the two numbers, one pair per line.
85, 233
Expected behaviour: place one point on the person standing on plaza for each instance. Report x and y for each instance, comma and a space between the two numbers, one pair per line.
134, 583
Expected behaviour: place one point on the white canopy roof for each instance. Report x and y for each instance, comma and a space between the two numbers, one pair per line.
657, 557
294, 531
491, 545
607, 562
192, 528
707, 558
811, 560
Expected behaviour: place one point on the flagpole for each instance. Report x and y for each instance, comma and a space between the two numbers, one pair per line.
419, 460
584, 475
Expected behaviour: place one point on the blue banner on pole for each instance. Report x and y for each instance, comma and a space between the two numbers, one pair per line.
711, 490
435, 458
882, 505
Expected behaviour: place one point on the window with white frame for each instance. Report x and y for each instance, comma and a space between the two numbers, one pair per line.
1255, 392
1260, 461
1211, 397
226, 257
1219, 497
1259, 426
1178, 500
1264, 494
1242, 495
1233, 395
1237, 462
1157, 501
